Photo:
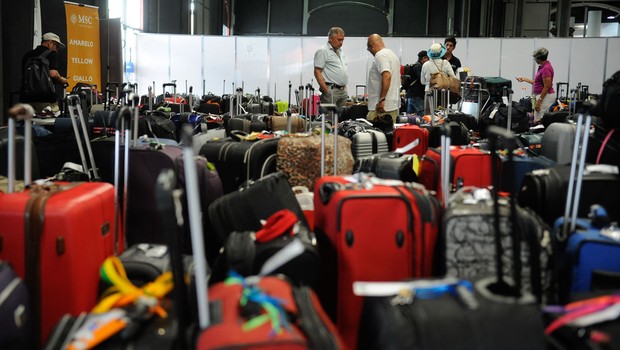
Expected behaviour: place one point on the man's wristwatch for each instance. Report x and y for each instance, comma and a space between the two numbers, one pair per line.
382, 99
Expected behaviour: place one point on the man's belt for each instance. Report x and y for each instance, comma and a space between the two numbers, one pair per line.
335, 86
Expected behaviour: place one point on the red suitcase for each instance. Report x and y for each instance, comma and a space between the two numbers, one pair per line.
56, 235
469, 167
406, 134
372, 230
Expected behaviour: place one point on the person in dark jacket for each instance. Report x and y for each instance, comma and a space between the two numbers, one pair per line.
49, 41
450, 44
415, 90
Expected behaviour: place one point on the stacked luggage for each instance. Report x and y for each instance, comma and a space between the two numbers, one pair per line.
203, 241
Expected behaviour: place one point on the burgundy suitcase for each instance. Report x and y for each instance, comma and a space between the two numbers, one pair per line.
407, 134
56, 235
372, 230
469, 167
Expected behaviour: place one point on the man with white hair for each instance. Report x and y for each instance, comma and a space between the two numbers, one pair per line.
42, 99
330, 69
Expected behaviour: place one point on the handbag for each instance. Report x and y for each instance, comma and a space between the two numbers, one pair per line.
442, 81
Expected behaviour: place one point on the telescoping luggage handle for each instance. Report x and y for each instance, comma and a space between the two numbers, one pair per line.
195, 224
444, 162
120, 200
330, 107
577, 167
499, 285
73, 102
26, 113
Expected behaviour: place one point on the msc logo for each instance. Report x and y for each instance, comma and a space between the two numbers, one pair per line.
81, 19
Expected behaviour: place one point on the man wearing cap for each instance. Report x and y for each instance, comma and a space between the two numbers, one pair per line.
383, 80
51, 42
415, 92
330, 69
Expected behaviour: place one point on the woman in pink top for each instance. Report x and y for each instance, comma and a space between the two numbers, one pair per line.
542, 84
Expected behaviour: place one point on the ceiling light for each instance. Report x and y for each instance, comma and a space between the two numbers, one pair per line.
611, 17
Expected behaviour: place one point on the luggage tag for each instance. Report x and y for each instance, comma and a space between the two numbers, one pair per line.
403, 293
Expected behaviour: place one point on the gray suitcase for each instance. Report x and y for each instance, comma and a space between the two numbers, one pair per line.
557, 142
368, 142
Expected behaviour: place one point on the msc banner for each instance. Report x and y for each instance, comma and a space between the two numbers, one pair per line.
83, 54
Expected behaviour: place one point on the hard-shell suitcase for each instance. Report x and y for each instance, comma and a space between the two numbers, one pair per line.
406, 134
299, 157
56, 235
557, 142
368, 142
370, 230
239, 161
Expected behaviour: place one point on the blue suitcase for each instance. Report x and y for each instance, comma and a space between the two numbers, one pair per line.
592, 260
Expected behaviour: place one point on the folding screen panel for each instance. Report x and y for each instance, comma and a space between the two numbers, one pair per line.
152, 61
516, 61
218, 65
587, 63
186, 62
285, 61
252, 71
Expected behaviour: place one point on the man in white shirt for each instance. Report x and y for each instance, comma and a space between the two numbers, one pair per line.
383, 80
330, 69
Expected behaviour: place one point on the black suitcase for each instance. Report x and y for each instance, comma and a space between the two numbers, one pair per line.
545, 190
394, 166
243, 210
238, 161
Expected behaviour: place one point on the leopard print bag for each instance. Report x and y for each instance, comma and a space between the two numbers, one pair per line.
299, 158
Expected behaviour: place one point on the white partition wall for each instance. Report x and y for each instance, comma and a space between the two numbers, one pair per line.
267, 62
587, 62
285, 62
186, 62
516, 61
218, 64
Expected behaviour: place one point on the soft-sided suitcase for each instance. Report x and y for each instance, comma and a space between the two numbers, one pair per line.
299, 157
469, 242
370, 230
446, 314
280, 123
246, 252
297, 320
590, 250
15, 310
459, 134
557, 142
145, 163
239, 161
407, 134
513, 172
396, 166
545, 191
469, 167
56, 236
241, 211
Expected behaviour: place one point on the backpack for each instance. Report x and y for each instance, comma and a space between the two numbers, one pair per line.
37, 85
608, 106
